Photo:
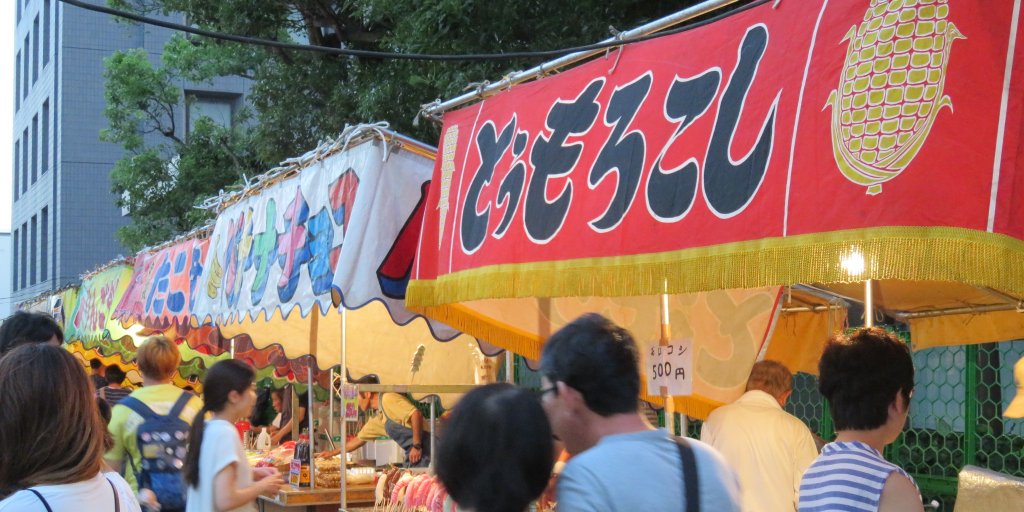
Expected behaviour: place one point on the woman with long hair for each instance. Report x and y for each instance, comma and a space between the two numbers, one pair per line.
216, 470
52, 437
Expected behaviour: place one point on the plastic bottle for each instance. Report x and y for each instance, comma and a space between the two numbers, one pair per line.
263, 440
295, 468
299, 470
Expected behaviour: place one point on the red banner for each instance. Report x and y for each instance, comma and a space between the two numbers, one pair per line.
786, 128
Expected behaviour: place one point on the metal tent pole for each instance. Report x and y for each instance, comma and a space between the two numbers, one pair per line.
547, 67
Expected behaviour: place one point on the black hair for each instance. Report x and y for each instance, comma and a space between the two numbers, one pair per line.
369, 378
114, 374
104, 408
28, 327
860, 375
597, 358
496, 433
221, 379
95, 364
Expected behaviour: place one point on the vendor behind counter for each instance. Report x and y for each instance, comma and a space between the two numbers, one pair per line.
397, 418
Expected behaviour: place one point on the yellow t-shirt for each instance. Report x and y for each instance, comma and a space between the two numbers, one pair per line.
124, 423
396, 407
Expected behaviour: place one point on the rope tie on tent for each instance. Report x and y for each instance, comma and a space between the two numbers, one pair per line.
618, 56
350, 133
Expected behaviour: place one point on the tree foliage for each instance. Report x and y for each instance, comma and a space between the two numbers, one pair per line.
298, 98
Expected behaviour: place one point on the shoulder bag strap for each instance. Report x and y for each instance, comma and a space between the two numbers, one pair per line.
117, 500
40, 496
692, 485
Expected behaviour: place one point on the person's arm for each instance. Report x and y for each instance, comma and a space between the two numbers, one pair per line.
227, 497
115, 457
900, 495
416, 419
286, 430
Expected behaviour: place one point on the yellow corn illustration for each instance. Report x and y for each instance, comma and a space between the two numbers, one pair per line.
891, 88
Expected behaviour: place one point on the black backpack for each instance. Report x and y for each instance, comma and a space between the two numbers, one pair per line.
162, 442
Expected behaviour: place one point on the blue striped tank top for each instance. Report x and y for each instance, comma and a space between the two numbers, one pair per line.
847, 476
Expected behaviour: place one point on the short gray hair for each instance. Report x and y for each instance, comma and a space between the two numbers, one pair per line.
772, 377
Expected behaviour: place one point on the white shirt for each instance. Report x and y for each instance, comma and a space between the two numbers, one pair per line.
769, 448
221, 448
92, 495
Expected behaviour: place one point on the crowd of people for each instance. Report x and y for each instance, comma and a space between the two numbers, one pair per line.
163, 448
753, 455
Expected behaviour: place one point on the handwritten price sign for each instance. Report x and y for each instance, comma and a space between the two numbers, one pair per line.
670, 366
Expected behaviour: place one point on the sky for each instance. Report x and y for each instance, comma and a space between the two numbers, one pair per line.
6, 115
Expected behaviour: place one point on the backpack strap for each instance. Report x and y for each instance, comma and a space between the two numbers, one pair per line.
40, 496
180, 404
692, 485
138, 407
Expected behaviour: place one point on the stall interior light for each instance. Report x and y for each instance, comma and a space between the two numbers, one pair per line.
853, 263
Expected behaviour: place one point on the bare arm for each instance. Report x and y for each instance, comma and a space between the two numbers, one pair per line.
417, 427
227, 497
900, 495
351, 444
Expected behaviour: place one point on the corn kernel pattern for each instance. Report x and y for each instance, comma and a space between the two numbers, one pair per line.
890, 89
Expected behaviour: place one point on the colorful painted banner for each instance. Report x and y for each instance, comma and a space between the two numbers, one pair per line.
345, 226
93, 318
164, 287
756, 150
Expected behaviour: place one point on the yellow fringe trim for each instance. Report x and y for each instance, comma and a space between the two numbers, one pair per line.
910, 253
693, 406
499, 334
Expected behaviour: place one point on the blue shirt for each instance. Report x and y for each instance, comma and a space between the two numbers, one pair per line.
847, 476
642, 471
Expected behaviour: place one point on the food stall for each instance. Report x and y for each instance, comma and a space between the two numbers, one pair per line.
313, 258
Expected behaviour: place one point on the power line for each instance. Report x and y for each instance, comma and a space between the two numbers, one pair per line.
349, 52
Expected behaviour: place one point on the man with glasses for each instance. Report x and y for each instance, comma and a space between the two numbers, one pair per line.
590, 392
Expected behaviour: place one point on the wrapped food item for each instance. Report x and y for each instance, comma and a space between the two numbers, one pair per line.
328, 472
278, 458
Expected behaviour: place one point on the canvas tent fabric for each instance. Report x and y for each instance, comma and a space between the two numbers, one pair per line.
731, 157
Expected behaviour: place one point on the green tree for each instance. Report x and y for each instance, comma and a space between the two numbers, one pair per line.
298, 98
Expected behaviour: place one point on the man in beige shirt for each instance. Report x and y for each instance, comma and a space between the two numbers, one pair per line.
769, 448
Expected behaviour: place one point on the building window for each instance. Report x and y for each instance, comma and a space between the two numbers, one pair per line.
24, 68
14, 262
17, 167
24, 253
46, 32
44, 244
32, 252
17, 83
35, 148
219, 108
24, 161
46, 137
35, 49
